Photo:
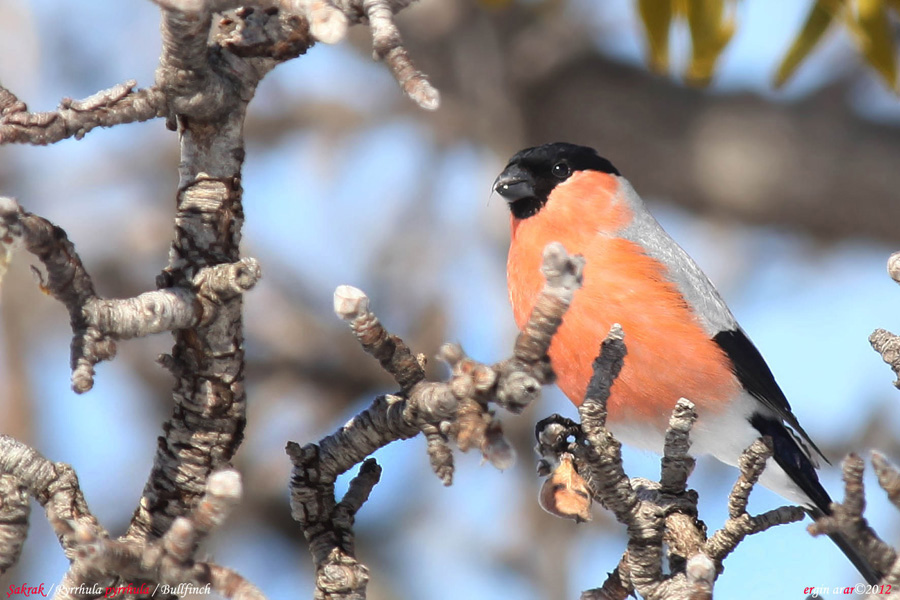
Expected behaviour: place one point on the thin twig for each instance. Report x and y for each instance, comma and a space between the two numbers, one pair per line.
167, 560
74, 118
884, 342
887, 345
677, 465
98, 322
54, 485
888, 477
454, 410
614, 588
847, 518
654, 513
388, 46
740, 524
352, 305
609, 484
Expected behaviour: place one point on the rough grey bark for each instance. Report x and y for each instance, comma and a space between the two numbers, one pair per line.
457, 410
74, 118
655, 513
97, 322
97, 559
847, 516
54, 486
884, 342
14, 512
215, 53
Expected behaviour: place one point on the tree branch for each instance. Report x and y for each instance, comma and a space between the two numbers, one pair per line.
613, 588
54, 486
74, 118
677, 465
209, 71
351, 305
68, 282
197, 80
603, 461
884, 342
97, 322
455, 410
888, 477
847, 516
887, 345
667, 512
167, 561
654, 513
388, 46
740, 524
14, 512
328, 526
194, 83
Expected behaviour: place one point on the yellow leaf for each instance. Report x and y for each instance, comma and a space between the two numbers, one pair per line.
711, 30
819, 20
657, 18
876, 41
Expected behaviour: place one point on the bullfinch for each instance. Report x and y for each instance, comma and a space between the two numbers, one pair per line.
682, 339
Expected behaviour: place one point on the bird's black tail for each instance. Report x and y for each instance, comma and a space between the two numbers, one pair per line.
796, 463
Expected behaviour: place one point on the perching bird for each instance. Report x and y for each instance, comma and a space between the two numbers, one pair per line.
682, 339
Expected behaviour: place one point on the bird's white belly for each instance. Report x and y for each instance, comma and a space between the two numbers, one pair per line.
724, 436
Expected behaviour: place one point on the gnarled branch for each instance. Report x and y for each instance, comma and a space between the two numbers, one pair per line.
98, 322
54, 486
167, 561
740, 524
654, 513
74, 118
847, 516
455, 410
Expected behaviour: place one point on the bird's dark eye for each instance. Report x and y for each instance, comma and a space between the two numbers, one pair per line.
561, 170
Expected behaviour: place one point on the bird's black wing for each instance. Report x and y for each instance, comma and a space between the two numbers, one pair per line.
792, 456
754, 375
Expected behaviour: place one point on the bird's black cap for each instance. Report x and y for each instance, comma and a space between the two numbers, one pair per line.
531, 174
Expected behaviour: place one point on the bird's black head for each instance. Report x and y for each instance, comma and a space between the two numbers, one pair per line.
531, 174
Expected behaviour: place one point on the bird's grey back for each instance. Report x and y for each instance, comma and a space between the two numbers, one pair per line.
692, 282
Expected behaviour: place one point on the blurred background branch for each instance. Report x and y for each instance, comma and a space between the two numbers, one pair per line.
787, 198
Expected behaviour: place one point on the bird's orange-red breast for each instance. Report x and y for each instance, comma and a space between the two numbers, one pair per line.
681, 337
622, 284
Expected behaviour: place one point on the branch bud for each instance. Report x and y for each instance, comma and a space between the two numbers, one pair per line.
893, 266
350, 302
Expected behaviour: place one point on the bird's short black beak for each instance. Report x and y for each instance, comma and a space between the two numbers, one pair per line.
514, 183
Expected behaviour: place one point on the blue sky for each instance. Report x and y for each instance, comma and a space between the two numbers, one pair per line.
808, 307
